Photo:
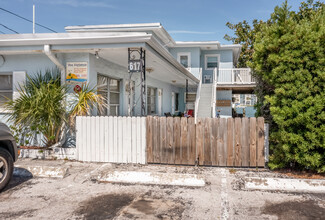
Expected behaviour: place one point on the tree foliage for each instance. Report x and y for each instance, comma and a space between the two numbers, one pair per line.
245, 35
289, 55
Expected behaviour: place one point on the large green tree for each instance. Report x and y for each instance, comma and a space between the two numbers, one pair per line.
289, 56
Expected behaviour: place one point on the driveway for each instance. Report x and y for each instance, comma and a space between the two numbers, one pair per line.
80, 196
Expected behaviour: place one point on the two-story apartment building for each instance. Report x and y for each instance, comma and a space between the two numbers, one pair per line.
175, 77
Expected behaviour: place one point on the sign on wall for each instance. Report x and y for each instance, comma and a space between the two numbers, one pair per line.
77, 72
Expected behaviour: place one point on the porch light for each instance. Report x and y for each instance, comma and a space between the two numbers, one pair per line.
96, 55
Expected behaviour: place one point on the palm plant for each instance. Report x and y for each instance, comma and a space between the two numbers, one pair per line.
40, 106
85, 102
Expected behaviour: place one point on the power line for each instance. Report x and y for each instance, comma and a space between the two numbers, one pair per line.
8, 28
27, 20
2, 32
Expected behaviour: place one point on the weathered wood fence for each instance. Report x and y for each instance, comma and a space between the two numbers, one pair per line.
111, 139
237, 142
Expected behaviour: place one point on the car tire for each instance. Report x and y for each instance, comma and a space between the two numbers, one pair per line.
6, 168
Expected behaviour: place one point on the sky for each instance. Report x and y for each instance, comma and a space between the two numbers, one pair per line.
185, 20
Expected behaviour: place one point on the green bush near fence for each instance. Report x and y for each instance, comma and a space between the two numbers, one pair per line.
289, 56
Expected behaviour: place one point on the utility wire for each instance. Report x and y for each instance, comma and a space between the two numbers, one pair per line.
2, 32
8, 28
27, 19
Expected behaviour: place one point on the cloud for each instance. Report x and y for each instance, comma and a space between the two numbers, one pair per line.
190, 32
76, 3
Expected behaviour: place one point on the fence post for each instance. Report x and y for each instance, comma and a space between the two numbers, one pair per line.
266, 143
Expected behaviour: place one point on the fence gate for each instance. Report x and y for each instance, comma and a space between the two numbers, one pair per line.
235, 142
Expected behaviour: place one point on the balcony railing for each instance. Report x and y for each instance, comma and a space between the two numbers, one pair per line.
235, 76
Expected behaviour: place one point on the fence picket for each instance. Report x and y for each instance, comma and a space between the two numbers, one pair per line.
207, 142
252, 144
192, 141
230, 142
199, 141
260, 142
238, 142
176, 144
245, 142
163, 140
214, 141
149, 139
184, 142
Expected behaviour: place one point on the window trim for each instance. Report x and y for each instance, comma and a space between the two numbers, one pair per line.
206, 61
188, 54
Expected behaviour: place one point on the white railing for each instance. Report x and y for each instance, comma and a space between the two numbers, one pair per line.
214, 93
235, 76
198, 94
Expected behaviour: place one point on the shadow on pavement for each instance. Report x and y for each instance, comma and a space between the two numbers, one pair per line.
19, 177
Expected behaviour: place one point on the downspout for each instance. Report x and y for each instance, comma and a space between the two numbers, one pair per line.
52, 57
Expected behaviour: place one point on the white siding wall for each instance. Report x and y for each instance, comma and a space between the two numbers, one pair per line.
111, 139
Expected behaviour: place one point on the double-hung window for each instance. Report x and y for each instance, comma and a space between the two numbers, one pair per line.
109, 88
151, 100
184, 59
6, 87
211, 61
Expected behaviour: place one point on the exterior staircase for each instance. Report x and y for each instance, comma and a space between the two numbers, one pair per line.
204, 106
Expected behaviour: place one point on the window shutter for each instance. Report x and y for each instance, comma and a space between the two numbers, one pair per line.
19, 78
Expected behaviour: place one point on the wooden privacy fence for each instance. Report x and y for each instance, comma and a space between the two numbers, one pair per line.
111, 139
235, 142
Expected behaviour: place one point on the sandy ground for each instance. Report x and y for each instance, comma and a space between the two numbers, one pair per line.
80, 196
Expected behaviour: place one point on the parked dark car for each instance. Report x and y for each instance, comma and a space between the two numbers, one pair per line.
8, 155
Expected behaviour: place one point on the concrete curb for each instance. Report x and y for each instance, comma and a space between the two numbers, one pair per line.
135, 177
40, 171
55, 153
282, 184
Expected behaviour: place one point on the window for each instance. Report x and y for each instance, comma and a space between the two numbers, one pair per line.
151, 100
6, 87
211, 61
184, 59
110, 89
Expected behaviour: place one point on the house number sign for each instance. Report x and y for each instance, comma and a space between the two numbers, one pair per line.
135, 66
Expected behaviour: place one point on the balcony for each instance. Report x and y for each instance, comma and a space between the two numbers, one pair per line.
235, 76
240, 78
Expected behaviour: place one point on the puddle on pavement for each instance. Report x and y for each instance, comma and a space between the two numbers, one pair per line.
124, 206
103, 207
295, 210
